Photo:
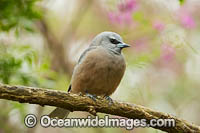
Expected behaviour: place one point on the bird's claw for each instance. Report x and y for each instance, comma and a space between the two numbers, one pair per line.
109, 100
93, 97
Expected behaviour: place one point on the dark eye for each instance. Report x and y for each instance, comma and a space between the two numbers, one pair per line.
114, 41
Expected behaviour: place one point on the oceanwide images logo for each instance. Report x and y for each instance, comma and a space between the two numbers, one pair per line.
106, 122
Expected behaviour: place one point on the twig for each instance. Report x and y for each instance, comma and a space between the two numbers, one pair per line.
74, 102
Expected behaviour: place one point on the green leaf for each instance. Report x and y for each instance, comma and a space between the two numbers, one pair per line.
181, 2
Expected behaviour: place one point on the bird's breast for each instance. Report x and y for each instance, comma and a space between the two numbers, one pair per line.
99, 73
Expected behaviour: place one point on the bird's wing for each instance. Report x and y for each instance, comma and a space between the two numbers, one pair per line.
85, 52
80, 59
69, 89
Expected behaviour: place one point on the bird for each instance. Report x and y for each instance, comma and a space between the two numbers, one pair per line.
99, 70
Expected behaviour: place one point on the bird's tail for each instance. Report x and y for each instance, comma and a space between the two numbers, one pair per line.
59, 113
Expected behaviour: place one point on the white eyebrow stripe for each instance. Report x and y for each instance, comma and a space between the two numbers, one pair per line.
112, 37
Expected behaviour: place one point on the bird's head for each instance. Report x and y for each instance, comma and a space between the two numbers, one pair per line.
110, 40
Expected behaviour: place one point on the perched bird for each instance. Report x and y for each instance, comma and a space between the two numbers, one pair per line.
99, 70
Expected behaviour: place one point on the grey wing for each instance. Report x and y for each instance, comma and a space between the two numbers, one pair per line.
84, 53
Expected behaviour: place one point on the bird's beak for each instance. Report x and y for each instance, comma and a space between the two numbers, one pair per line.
122, 45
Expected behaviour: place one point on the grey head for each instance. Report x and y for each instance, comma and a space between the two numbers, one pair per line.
109, 40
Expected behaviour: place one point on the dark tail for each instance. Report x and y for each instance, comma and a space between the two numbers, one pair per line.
59, 113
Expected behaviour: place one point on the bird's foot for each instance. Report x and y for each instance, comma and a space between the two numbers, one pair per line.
93, 97
109, 100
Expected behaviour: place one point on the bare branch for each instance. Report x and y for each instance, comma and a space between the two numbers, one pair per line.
74, 102
60, 59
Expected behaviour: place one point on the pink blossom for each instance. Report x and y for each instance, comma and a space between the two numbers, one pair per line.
127, 6
127, 17
167, 52
123, 15
187, 21
185, 17
158, 25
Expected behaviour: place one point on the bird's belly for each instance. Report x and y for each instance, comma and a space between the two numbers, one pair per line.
104, 81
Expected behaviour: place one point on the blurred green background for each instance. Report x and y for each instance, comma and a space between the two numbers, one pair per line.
41, 41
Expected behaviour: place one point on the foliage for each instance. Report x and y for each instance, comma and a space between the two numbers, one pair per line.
11, 65
17, 14
181, 1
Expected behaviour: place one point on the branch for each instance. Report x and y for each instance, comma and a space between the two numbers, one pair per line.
60, 59
56, 47
74, 102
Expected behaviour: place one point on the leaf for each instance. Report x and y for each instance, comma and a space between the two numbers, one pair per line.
181, 2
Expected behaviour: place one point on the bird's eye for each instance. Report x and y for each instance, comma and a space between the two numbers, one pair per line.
114, 41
